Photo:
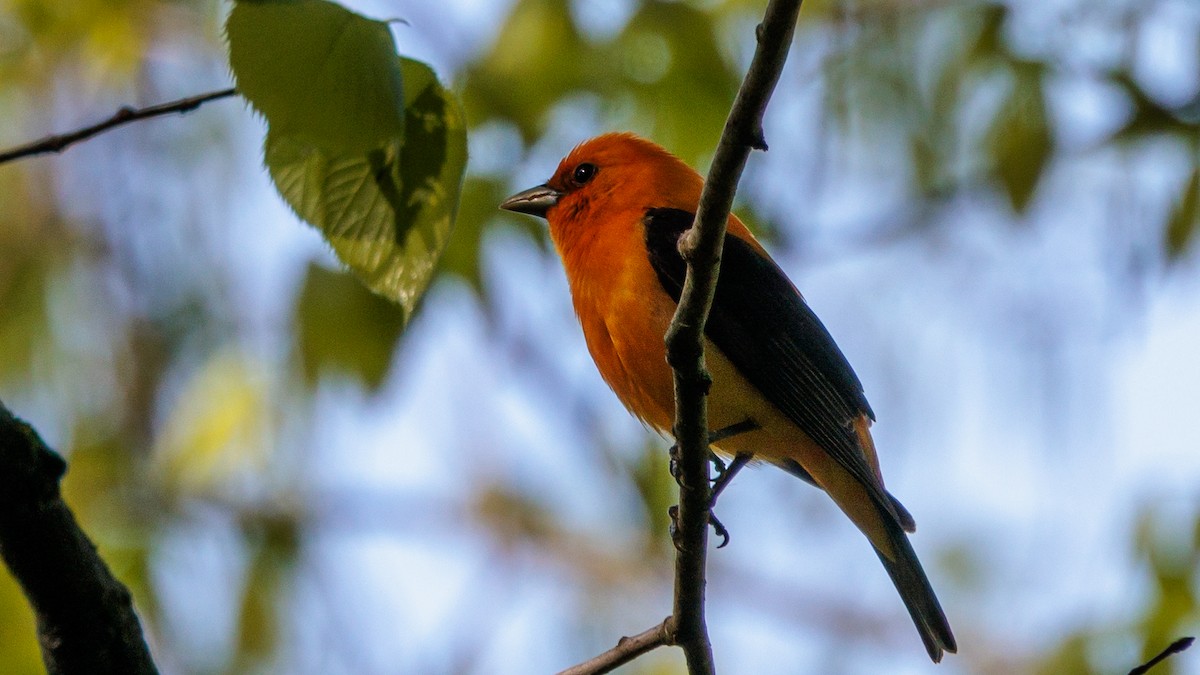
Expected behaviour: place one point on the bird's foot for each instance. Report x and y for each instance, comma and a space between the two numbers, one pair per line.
725, 474
719, 528
732, 430
717, 436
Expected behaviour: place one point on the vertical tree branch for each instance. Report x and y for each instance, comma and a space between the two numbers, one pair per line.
85, 618
701, 247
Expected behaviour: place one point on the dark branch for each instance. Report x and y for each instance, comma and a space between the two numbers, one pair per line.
85, 617
627, 649
685, 340
1174, 648
60, 142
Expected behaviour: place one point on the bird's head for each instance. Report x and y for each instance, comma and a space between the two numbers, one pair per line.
605, 177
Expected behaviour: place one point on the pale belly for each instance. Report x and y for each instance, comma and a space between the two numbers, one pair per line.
629, 350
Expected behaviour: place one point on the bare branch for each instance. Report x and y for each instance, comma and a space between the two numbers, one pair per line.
1173, 648
125, 115
627, 649
701, 248
85, 617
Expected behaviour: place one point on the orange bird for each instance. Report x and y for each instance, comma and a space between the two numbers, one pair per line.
617, 205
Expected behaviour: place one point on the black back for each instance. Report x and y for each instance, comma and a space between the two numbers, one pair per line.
761, 323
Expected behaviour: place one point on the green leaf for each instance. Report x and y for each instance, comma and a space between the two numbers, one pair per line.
388, 212
319, 73
1020, 142
364, 145
1182, 225
343, 327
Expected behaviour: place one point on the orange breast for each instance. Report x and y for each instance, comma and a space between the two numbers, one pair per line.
624, 314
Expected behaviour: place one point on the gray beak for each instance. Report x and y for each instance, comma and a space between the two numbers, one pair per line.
535, 201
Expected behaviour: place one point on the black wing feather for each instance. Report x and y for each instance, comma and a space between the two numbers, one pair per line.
762, 325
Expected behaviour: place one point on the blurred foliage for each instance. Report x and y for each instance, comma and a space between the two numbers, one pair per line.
479, 199
110, 36
664, 73
656, 488
274, 544
367, 328
187, 421
1020, 143
22, 294
216, 429
1171, 557
1168, 555
1185, 216
18, 631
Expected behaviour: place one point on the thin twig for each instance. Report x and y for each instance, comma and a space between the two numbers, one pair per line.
627, 649
125, 115
1173, 648
85, 617
701, 248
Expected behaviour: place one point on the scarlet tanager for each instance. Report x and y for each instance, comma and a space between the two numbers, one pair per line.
616, 206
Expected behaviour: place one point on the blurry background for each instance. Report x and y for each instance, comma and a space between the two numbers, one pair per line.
993, 207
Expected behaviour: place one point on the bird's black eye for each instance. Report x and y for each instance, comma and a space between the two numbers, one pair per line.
583, 173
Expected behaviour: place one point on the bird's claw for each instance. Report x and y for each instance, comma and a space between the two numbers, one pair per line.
718, 465
719, 528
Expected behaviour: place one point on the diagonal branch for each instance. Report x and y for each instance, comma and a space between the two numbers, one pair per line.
85, 617
627, 649
125, 115
701, 247
1174, 648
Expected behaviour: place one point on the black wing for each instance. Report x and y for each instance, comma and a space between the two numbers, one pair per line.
762, 325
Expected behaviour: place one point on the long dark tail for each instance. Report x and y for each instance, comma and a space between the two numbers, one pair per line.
905, 570
918, 596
